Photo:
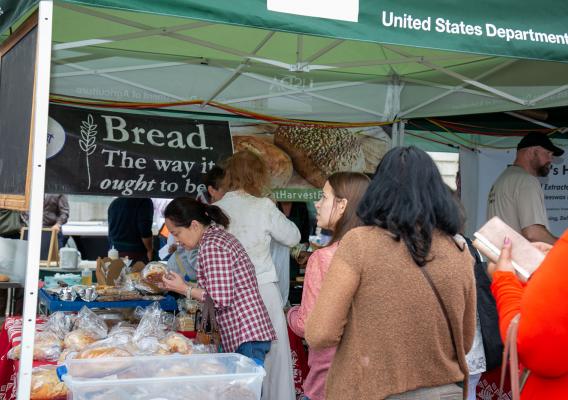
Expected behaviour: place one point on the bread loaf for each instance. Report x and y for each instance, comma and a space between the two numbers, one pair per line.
100, 352
278, 162
79, 339
46, 385
177, 343
4, 278
154, 272
319, 152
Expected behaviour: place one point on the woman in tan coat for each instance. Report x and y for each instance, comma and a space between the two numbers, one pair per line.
395, 339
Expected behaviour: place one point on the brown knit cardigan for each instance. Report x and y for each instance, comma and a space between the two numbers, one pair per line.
390, 330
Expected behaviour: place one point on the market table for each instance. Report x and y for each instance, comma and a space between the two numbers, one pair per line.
52, 303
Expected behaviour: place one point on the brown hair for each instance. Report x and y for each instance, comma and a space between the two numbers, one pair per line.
350, 186
246, 171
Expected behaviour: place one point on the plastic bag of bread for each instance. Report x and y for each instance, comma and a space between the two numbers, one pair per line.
46, 385
153, 272
67, 354
103, 352
177, 343
59, 323
122, 328
150, 345
90, 322
47, 347
153, 323
79, 339
185, 322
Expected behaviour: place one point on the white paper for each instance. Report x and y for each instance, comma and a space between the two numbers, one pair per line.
344, 10
163, 252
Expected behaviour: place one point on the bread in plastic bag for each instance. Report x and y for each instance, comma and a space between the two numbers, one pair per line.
47, 347
46, 385
91, 322
153, 272
177, 343
79, 339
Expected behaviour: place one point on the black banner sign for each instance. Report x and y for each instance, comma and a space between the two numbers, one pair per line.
121, 154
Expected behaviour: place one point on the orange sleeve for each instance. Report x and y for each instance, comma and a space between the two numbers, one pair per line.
543, 329
508, 292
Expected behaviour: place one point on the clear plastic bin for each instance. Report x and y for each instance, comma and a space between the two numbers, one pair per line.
226, 376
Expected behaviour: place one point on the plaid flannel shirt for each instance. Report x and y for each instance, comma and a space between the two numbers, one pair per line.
228, 277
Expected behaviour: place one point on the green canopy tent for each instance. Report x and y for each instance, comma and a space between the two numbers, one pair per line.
354, 60
243, 54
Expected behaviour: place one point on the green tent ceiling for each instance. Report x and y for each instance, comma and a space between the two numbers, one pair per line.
243, 55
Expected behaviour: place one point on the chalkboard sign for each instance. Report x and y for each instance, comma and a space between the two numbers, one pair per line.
17, 71
49, 251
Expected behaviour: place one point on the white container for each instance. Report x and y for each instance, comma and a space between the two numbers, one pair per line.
113, 253
69, 258
226, 376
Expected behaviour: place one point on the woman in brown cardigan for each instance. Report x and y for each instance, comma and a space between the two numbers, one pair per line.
395, 339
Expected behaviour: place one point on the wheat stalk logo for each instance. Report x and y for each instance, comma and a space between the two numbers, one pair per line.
87, 142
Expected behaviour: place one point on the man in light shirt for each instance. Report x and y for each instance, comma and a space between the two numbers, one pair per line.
517, 197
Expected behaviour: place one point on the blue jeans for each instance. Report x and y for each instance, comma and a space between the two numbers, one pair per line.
255, 350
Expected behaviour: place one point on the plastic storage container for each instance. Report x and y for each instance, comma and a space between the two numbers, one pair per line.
226, 376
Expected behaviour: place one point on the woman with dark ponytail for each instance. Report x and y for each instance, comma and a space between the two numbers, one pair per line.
225, 274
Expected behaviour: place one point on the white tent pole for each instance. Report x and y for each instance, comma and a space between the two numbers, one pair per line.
128, 36
549, 94
237, 72
457, 88
370, 63
401, 132
447, 87
392, 98
39, 147
178, 36
127, 82
120, 69
311, 90
394, 136
463, 78
324, 50
529, 119
299, 48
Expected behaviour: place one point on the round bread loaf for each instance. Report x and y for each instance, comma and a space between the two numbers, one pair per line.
319, 152
4, 278
278, 162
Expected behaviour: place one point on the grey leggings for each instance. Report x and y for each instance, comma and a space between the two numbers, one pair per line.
445, 392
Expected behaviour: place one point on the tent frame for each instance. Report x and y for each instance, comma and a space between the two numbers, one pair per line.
39, 147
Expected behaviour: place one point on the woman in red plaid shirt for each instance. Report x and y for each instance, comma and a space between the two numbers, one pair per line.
225, 274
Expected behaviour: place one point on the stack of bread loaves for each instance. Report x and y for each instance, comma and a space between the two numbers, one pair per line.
319, 152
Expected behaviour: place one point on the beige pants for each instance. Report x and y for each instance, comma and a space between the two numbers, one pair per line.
445, 392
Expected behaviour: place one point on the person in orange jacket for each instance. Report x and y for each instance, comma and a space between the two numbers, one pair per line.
542, 340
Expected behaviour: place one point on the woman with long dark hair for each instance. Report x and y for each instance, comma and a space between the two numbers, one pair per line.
225, 274
399, 297
336, 211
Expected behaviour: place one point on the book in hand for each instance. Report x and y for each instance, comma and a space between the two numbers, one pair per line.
489, 241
